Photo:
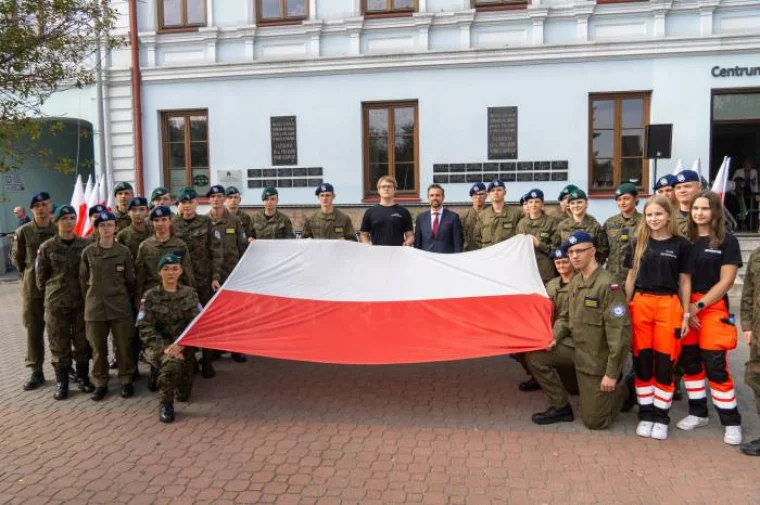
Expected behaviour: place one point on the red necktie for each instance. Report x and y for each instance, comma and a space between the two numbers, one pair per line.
435, 224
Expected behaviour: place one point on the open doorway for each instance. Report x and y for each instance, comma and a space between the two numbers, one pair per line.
735, 132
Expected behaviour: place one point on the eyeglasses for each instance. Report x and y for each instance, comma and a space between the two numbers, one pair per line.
577, 252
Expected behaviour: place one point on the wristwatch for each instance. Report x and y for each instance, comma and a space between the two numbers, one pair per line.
700, 305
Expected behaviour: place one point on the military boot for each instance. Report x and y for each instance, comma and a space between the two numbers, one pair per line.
62, 383
207, 369
83, 373
153, 380
554, 415
166, 412
36, 380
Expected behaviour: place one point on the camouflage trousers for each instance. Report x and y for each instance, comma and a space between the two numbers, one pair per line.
175, 377
752, 369
66, 330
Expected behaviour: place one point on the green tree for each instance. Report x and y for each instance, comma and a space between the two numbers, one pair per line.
45, 46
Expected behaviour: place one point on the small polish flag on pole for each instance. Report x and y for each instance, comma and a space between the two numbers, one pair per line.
720, 186
80, 205
102, 191
91, 202
679, 167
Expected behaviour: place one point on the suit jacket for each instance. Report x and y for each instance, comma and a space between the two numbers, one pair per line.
450, 237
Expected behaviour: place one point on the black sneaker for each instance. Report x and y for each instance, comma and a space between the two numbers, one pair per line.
554, 415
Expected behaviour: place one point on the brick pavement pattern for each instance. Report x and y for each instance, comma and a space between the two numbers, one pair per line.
280, 432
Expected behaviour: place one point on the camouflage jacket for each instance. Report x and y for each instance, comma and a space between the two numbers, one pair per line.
26, 242
591, 225
469, 224
234, 241
122, 219
493, 228
620, 232
277, 226
336, 225
163, 316
205, 247
750, 306
146, 264
132, 238
545, 229
57, 272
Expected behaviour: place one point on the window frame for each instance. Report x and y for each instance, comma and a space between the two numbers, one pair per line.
498, 5
285, 19
185, 26
186, 113
389, 12
371, 194
617, 157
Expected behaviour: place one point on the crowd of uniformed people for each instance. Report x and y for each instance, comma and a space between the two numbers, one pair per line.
652, 285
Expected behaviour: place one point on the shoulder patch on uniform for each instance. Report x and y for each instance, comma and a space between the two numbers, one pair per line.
618, 311
217, 235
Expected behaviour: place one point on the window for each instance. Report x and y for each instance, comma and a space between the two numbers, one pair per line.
617, 140
493, 5
174, 14
185, 146
388, 7
391, 146
281, 11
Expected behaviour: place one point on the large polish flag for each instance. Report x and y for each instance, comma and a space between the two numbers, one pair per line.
80, 205
343, 302
720, 185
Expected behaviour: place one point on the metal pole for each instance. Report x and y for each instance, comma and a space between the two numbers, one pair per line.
104, 168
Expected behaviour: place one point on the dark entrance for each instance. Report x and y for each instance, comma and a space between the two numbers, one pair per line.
736, 133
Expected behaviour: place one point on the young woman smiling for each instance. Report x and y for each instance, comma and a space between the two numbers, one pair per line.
658, 287
716, 257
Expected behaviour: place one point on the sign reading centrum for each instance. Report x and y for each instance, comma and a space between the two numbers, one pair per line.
737, 71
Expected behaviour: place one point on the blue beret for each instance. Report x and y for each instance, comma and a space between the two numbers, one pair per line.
105, 216
496, 183
62, 211
169, 259
42, 196
478, 186
96, 209
160, 211
122, 186
665, 181
216, 189
579, 237
534, 193
325, 188
137, 201
522, 199
559, 254
686, 176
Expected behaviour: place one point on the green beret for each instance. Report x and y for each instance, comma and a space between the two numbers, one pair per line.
627, 188
122, 186
577, 194
169, 259
63, 211
566, 191
268, 192
232, 190
159, 191
186, 194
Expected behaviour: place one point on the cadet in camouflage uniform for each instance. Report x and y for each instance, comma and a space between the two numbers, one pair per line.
270, 223
165, 311
563, 212
57, 276
132, 236
469, 219
750, 320
685, 189
543, 229
124, 193
92, 214
498, 222
107, 277
664, 186
153, 248
621, 229
206, 255
328, 222
580, 220
233, 205
160, 197
600, 328
26, 242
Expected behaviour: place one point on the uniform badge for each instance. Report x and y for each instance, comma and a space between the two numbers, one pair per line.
615, 287
507, 225
618, 311
572, 240
119, 268
664, 181
338, 229
217, 235
591, 302
229, 231
543, 234
681, 177
141, 315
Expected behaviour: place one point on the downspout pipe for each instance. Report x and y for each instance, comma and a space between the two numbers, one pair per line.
134, 44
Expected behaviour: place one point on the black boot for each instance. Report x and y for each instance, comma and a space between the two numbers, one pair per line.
554, 415
207, 369
36, 380
62, 383
630, 400
751, 448
153, 380
127, 390
166, 412
529, 385
238, 358
99, 393
83, 373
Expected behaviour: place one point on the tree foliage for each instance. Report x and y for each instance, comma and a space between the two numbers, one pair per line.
45, 46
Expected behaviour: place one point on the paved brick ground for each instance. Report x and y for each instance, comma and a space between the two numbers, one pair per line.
279, 432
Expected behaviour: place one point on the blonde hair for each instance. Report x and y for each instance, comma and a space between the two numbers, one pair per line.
387, 178
642, 232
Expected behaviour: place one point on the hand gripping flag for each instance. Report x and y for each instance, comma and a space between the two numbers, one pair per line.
344, 302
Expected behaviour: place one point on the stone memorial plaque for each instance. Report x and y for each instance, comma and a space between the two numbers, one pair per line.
525, 166
440, 168
456, 178
253, 184
559, 176
542, 165
474, 167
457, 167
254, 172
559, 165
474, 177
441, 178
542, 176
284, 142
502, 133
524, 176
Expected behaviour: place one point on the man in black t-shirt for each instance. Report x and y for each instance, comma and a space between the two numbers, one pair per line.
387, 223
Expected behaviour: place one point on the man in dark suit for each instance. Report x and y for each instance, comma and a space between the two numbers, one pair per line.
438, 230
